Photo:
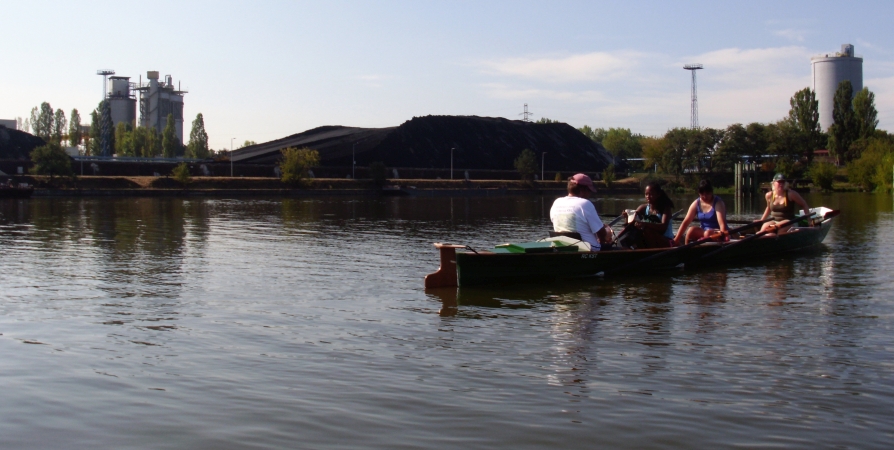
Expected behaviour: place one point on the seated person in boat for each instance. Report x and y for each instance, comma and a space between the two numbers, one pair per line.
655, 229
781, 203
576, 213
710, 211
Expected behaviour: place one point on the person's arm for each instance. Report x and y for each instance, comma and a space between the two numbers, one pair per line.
720, 210
799, 200
690, 216
769, 197
659, 227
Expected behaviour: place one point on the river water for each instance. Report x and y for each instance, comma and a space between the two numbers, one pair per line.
302, 323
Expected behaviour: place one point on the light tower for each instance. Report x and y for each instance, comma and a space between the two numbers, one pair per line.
105, 73
693, 116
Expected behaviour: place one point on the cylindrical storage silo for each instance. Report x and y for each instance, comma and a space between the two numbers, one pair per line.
828, 71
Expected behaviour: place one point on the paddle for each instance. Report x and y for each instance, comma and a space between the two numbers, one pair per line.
827, 215
680, 248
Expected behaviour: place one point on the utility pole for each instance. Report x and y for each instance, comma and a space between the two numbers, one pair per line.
353, 161
693, 115
451, 162
231, 157
542, 167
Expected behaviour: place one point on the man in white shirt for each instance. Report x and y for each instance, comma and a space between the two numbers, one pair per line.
576, 212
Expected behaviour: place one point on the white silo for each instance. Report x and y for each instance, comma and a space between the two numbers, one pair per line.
122, 102
829, 70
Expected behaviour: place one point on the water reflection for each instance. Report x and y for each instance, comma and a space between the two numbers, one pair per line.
297, 314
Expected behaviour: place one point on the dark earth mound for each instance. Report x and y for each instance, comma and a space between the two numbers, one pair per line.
15, 144
425, 142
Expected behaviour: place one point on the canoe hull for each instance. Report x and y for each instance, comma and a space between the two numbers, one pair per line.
483, 268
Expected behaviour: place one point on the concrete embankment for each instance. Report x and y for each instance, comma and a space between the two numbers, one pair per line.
270, 187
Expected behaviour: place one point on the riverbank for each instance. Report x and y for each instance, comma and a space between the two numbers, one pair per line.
99, 186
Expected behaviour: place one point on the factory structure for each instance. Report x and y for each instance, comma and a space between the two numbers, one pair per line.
158, 98
829, 70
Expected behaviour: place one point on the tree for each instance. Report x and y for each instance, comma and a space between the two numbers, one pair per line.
597, 135
296, 162
544, 120
865, 114
42, 121
106, 131
169, 142
145, 142
124, 145
823, 174
74, 129
59, 126
247, 143
35, 120
622, 143
51, 160
95, 130
608, 175
526, 164
198, 139
843, 131
181, 174
804, 116
653, 152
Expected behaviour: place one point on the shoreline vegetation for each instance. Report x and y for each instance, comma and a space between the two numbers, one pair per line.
122, 186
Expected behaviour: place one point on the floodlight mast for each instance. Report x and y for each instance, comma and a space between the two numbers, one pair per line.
105, 73
693, 115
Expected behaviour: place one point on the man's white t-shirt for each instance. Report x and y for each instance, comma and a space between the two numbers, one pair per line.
576, 214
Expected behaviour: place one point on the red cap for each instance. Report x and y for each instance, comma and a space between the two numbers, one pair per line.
583, 180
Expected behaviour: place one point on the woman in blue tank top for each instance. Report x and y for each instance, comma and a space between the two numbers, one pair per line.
710, 211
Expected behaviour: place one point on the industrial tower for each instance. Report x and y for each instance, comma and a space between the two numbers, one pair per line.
829, 69
693, 116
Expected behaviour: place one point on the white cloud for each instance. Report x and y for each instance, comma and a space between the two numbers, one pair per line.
737, 85
791, 34
595, 66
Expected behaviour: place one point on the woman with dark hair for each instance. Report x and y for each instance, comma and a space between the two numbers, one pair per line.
654, 223
710, 211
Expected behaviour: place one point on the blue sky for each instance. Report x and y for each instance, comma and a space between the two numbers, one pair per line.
262, 70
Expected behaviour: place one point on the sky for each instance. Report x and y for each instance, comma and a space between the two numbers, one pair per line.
261, 70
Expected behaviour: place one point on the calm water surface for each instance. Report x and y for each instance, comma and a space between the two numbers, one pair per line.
302, 323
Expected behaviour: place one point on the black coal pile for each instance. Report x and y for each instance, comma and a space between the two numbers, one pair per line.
482, 143
15, 144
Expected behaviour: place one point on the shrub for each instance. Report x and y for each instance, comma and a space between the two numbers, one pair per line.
296, 162
823, 174
608, 175
181, 174
51, 160
526, 164
558, 177
378, 173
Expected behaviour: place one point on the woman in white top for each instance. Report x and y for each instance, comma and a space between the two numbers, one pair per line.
576, 213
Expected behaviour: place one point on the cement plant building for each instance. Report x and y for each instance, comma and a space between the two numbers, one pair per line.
829, 70
157, 100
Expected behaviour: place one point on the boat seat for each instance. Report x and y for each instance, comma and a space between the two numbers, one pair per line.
571, 234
